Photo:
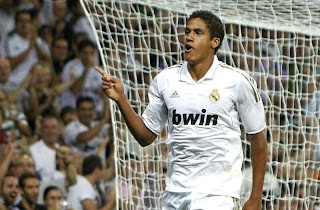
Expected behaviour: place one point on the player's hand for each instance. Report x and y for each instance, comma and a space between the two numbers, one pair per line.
252, 204
111, 86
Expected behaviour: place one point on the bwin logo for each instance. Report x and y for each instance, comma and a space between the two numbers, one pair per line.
203, 119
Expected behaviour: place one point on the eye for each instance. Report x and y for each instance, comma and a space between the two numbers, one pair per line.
198, 32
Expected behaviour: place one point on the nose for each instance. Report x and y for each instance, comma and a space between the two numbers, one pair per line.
189, 37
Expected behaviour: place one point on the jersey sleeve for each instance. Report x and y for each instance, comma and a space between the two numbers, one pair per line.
72, 131
156, 113
249, 105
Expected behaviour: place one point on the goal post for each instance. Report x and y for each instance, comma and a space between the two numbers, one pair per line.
276, 42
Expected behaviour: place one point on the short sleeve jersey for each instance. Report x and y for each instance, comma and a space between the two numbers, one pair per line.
81, 191
14, 45
205, 152
91, 86
74, 128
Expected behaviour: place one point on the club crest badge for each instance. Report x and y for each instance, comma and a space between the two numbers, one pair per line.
214, 95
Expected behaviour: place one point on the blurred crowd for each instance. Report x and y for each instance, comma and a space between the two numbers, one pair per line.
56, 143
55, 138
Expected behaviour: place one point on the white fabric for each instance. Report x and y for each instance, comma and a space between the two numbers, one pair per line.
205, 151
74, 128
6, 24
83, 26
13, 47
44, 159
196, 201
60, 183
91, 86
81, 191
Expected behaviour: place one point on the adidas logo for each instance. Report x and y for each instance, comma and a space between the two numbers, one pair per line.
174, 95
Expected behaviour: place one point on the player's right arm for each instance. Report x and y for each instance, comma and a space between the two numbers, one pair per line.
113, 88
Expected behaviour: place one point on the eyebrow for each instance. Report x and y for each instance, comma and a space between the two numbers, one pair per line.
194, 29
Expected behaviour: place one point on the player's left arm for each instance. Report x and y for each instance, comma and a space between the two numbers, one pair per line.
252, 114
259, 164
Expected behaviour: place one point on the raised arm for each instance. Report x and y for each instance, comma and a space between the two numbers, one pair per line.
113, 88
259, 164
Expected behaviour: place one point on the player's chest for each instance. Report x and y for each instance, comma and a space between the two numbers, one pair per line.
208, 95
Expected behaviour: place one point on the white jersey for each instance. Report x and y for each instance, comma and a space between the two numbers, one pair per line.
14, 45
90, 147
44, 158
91, 86
205, 152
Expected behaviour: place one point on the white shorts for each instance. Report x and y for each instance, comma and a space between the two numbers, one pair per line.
198, 201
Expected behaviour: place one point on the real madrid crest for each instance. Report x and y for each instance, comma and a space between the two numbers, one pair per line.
214, 95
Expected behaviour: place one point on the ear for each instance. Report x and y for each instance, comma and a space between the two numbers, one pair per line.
215, 42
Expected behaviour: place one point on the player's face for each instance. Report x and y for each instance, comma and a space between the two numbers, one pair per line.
10, 189
198, 42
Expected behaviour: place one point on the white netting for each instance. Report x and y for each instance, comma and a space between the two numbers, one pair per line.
277, 42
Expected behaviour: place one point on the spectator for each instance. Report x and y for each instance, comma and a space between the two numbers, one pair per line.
65, 174
13, 119
84, 194
43, 93
59, 20
23, 163
9, 191
45, 33
44, 150
88, 79
78, 20
59, 51
68, 114
17, 95
7, 11
3, 136
85, 134
65, 167
53, 197
29, 186
6, 156
23, 47
76, 39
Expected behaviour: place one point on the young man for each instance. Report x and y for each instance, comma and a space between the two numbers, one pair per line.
85, 134
83, 69
29, 186
23, 47
203, 100
45, 148
84, 194
9, 191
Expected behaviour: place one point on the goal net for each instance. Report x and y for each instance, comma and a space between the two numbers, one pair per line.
277, 42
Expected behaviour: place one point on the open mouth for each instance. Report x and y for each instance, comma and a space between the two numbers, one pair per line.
13, 195
188, 48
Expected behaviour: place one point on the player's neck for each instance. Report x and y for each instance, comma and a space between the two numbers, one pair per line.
198, 70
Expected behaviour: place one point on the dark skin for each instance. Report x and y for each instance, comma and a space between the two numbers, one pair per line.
199, 53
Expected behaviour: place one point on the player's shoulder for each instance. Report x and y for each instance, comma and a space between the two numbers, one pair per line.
235, 73
170, 71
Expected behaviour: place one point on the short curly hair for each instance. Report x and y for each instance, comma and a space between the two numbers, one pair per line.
213, 23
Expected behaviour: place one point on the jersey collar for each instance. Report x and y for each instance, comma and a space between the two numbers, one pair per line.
186, 77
